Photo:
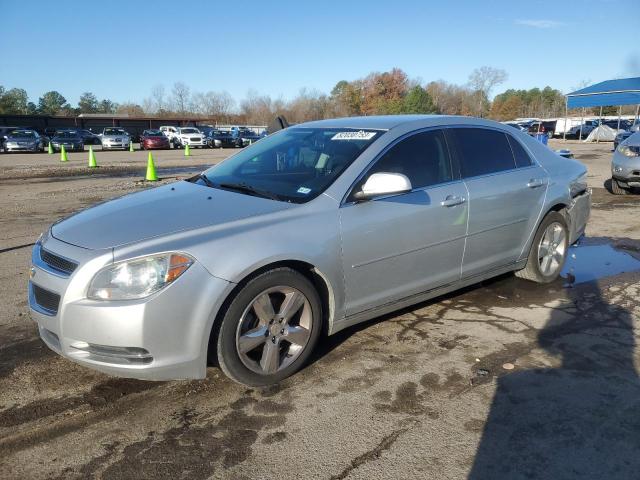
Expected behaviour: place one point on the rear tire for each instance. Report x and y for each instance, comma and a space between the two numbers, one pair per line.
548, 251
616, 189
276, 341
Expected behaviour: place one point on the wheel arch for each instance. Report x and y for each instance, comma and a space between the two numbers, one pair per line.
306, 269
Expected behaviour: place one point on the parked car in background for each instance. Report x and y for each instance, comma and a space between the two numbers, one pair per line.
252, 261
169, 131
546, 127
622, 125
153, 139
220, 139
587, 127
89, 137
622, 136
115, 138
206, 130
244, 137
625, 166
189, 136
71, 139
4, 133
21, 140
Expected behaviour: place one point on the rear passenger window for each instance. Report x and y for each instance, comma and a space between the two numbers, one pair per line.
422, 157
482, 151
522, 158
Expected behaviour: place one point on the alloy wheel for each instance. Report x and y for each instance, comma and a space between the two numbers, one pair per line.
274, 330
552, 249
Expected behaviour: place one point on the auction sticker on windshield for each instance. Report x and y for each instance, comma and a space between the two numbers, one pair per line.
359, 135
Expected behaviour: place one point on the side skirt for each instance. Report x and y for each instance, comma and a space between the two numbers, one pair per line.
424, 296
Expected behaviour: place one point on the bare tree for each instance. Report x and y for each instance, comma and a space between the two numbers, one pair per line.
482, 80
158, 100
181, 94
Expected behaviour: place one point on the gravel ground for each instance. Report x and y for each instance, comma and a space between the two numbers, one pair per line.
506, 379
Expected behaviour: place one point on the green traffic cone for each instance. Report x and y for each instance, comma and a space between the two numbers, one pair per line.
63, 154
131, 146
50, 149
151, 170
92, 158
187, 150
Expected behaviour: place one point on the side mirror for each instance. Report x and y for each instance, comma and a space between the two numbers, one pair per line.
383, 183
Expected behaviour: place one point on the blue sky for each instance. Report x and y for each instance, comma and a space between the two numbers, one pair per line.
121, 49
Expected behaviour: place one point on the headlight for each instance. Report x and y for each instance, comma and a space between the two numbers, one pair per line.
138, 278
629, 150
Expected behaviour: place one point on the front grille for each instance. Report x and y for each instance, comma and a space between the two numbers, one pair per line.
46, 299
56, 262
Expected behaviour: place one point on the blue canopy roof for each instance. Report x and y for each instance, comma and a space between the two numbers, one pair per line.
625, 91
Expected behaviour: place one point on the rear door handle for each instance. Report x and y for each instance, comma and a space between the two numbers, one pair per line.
535, 183
452, 201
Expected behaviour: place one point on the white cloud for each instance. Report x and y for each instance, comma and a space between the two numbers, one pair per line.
540, 23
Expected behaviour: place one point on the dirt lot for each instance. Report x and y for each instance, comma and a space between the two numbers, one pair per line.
427, 392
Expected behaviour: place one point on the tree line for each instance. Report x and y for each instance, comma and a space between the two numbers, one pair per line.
378, 93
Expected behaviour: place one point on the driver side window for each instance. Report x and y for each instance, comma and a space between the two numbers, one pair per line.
423, 158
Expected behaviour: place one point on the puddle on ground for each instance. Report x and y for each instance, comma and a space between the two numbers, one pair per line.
587, 263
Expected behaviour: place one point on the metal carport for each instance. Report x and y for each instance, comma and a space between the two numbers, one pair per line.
623, 91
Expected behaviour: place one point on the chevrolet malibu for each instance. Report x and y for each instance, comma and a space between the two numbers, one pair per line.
320, 226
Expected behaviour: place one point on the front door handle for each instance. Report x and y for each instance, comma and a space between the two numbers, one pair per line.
452, 201
535, 183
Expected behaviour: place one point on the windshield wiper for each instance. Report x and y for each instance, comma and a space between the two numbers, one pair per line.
243, 187
206, 180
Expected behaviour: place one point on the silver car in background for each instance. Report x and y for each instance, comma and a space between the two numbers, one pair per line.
315, 228
23, 140
625, 166
115, 138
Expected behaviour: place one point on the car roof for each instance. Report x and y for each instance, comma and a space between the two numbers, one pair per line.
388, 122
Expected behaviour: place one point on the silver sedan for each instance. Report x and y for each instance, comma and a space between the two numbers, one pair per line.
315, 228
625, 166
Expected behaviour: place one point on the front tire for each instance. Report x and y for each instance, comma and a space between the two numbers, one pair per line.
549, 250
270, 328
616, 189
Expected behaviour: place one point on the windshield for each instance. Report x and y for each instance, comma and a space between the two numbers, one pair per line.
67, 134
296, 164
114, 131
220, 133
153, 133
189, 130
23, 134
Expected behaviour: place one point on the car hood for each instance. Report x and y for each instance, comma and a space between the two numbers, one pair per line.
160, 211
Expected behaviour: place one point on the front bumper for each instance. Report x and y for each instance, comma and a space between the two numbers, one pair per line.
161, 337
157, 146
579, 212
22, 148
626, 170
193, 143
115, 146
67, 147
